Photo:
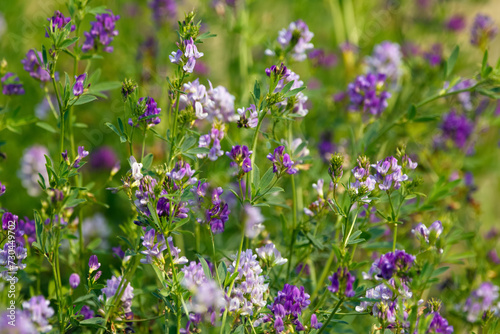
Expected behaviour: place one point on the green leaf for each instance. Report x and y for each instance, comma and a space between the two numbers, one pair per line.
256, 176
93, 322
256, 90
198, 150
71, 203
450, 63
147, 161
85, 99
294, 92
187, 144
68, 42
105, 86
204, 264
46, 126
97, 10
267, 178
287, 87
412, 111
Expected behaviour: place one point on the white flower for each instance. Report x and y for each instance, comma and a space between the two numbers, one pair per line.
136, 169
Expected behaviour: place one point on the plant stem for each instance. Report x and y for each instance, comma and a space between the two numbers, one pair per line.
294, 227
324, 274
144, 143
215, 259
331, 315
236, 268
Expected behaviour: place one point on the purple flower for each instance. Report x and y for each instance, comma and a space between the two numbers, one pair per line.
11, 85
456, 23
32, 164
240, 156
456, 127
281, 162
297, 39
391, 264
249, 117
35, 66
103, 157
74, 280
40, 311
483, 30
58, 21
367, 94
188, 57
111, 289
218, 214
435, 55
439, 324
9, 220
212, 142
315, 323
429, 235
81, 154
321, 59
482, 299
390, 174
299, 100
93, 263
102, 33
147, 112
386, 59
163, 11
341, 282
86, 312
270, 255
79, 82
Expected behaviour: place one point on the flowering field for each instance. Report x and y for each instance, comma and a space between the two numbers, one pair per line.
249, 166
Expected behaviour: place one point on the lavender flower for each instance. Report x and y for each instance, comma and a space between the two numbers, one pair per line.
86, 312
163, 10
438, 323
218, 214
212, 142
270, 255
435, 55
146, 113
365, 182
456, 23
74, 280
249, 117
188, 57
253, 221
36, 69
320, 58
298, 101
174, 251
367, 94
194, 276
103, 158
102, 33
456, 127
281, 162
145, 194
23, 324
93, 263
391, 264
341, 282
483, 30
250, 287
286, 308
482, 299
11, 85
386, 59
79, 83
389, 174
81, 154
386, 306
58, 21
220, 104
429, 235
33, 163
40, 311
196, 98
297, 39
240, 156
111, 289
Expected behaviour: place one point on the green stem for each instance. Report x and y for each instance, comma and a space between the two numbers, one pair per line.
236, 268
294, 227
174, 128
331, 315
395, 237
144, 143
57, 278
438, 96
215, 259
61, 115
324, 274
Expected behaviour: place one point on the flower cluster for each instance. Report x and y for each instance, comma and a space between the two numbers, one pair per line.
102, 33
33, 64
212, 142
282, 163
286, 309
32, 164
39, 310
396, 263
367, 94
59, 21
146, 113
483, 30
297, 103
457, 128
342, 282
386, 59
218, 214
484, 298
186, 55
249, 117
390, 174
11, 257
11, 85
429, 235
240, 156
270, 256
250, 287
296, 38
320, 205
111, 288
